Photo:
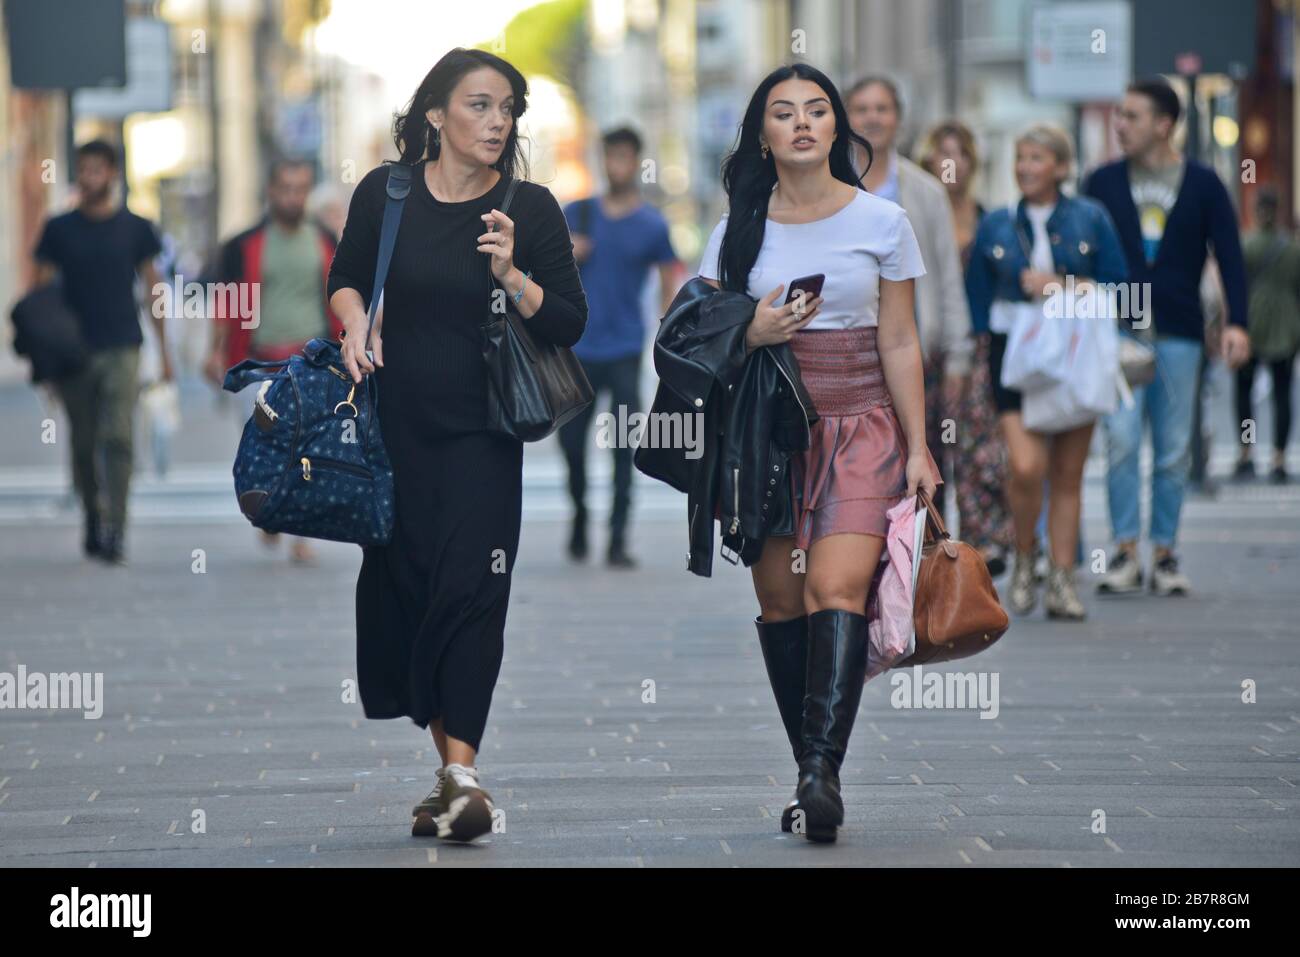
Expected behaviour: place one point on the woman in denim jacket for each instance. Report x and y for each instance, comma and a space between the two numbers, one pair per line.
1024, 255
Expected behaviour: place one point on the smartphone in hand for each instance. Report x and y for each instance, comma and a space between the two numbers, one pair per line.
810, 286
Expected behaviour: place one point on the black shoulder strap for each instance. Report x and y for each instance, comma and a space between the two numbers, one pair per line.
399, 185
510, 194
505, 208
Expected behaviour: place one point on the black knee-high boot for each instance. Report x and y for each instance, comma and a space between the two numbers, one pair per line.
785, 652
837, 667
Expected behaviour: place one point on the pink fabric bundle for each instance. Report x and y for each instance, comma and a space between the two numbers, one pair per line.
890, 632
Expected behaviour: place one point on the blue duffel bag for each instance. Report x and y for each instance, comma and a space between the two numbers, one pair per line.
311, 461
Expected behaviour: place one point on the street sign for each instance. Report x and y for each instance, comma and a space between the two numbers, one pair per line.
1174, 35
148, 75
64, 44
1079, 51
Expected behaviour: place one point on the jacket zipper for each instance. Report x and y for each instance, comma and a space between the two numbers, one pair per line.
331, 465
735, 515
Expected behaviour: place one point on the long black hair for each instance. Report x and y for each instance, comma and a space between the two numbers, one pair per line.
748, 178
412, 133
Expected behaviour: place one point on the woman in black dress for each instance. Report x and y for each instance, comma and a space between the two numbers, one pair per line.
431, 604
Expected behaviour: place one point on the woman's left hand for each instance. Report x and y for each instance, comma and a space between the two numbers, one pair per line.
919, 475
499, 242
1035, 283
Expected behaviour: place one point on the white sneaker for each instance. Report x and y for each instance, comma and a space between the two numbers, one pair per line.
1123, 575
1166, 579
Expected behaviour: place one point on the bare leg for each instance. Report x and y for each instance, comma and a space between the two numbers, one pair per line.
777, 585
1027, 458
840, 569
439, 739
1068, 455
451, 750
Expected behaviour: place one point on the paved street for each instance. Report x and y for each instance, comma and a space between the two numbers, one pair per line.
223, 694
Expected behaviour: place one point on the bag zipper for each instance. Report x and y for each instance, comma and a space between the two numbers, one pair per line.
331, 465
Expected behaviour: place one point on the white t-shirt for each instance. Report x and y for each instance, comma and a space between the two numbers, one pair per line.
1040, 256
1002, 315
867, 239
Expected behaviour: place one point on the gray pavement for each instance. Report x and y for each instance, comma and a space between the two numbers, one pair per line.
224, 695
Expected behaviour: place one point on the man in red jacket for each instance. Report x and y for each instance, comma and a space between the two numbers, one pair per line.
286, 257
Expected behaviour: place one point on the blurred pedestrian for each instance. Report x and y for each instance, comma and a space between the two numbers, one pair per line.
1272, 258
980, 465
431, 604
942, 314
617, 237
797, 210
287, 257
98, 249
1170, 211
1023, 254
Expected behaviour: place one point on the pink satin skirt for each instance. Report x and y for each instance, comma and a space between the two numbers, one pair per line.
856, 467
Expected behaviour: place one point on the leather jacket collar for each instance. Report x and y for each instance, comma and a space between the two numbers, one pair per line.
754, 414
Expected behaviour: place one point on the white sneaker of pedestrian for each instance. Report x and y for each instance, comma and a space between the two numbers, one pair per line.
1123, 575
1166, 579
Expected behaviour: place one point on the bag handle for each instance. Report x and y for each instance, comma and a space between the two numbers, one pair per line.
933, 520
505, 209
252, 370
399, 187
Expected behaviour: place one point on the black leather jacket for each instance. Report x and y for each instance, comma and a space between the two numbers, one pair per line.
755, 414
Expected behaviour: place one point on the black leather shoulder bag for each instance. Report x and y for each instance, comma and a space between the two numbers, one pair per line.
534, 386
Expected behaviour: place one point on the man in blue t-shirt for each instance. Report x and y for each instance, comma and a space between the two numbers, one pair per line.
616, 239
98, 250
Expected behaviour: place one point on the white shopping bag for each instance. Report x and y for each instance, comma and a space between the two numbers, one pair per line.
1037, 353
918, 540
161, 404
1091, 388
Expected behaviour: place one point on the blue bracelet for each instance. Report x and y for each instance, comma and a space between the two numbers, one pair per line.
520, 294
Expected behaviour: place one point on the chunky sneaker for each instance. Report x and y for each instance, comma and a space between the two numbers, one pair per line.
1023, 593
1244, 472
1061, 600
1123, 574
468, 808
424, 813
1166, 579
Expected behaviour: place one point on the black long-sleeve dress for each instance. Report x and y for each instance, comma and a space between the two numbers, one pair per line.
431, 604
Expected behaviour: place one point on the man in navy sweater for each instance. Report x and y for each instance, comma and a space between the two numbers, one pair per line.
1169, 211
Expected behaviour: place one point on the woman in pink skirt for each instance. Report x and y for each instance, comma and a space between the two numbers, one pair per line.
796, 209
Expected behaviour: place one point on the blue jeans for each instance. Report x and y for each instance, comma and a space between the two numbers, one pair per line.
1168, 401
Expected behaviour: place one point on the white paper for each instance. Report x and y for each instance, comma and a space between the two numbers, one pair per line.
918, 540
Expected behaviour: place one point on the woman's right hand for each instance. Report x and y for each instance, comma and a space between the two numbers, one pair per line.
773, 324
355, 359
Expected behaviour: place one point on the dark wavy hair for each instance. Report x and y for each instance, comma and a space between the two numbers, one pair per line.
748, 178
411, 130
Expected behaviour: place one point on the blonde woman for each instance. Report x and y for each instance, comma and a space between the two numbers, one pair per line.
1019, 253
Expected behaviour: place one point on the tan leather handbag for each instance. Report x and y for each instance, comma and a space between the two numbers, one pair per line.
956, 609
